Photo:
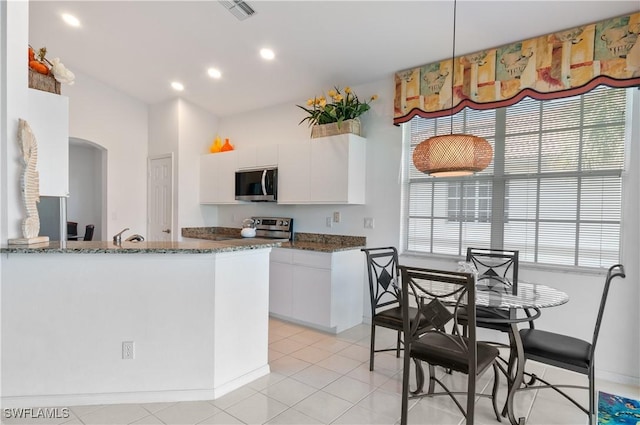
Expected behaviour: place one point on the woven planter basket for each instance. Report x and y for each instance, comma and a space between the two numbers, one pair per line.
43, 82
332, 129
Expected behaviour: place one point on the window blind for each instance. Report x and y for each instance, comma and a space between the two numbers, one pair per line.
553, 190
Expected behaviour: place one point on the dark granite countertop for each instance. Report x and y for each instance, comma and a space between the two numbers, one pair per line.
104, 247
305, 241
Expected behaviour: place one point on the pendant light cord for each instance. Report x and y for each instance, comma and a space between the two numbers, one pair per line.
453, 64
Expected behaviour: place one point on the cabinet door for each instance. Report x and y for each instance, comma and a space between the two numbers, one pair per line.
258, 156
312, 295
280, 289
227, 166
293, 173
218, 178
49, 120
208, 179
329, 170
338, 170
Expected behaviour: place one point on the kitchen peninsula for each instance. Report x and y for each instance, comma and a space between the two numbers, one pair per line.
195, 312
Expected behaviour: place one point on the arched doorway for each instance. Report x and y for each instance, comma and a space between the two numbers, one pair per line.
87, 202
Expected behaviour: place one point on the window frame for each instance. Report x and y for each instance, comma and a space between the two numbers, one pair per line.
500, 179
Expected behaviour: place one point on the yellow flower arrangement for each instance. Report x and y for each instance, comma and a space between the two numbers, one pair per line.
342, 107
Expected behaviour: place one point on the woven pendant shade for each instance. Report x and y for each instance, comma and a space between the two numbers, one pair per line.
452, 155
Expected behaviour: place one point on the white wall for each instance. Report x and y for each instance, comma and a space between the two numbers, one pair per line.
186, 131
14, 98
196, 132
118, 123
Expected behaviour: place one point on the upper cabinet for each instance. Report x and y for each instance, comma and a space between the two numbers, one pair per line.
258, 156
49, 121
218, 178
328, 170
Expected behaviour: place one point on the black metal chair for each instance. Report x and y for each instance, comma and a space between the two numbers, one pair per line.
88, 232
384, 291
439, 296
494, 264
567, 352
72, 231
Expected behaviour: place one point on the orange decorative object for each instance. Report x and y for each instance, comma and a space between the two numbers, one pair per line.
216, 146
39, 67
227, 146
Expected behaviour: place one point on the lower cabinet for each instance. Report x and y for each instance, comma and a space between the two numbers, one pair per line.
317, 289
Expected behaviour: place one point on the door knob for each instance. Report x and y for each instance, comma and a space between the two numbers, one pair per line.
166, 231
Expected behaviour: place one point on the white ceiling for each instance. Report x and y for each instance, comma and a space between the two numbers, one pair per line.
139, 47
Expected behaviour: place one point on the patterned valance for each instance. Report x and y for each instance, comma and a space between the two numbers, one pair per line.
561, 64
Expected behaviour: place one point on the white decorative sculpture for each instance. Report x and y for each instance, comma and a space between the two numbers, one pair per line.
30, 187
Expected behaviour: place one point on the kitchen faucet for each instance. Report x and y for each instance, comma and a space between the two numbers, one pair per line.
117, 238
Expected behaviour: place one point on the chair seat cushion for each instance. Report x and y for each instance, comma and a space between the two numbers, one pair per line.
392, 318
556, 349
487, 313
444, 350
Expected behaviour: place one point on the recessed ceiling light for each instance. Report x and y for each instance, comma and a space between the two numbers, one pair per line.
267, 54
71, 20
214, 73
177, 86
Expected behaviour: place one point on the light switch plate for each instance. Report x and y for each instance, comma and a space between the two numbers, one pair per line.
369, 223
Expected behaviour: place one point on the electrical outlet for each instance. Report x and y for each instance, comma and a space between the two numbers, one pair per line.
336, 216
368, 223
128, 350
329, 222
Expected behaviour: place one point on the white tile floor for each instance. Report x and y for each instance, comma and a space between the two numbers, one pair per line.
318, 378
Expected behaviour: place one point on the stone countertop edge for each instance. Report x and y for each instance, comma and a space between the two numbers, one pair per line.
104, 247
305, 241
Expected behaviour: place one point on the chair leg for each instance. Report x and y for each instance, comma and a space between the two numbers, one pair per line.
494, 391
405, 389
373, 346
398, 346
592, 396
419, 377
432, 382
471, 398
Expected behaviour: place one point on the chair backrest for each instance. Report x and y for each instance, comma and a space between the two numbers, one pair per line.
382, 268
72, 228
439, 295
501, 264
88, 232
614, 271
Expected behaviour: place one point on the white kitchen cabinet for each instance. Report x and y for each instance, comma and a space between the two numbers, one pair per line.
258, 156
294, 163
318, 289
49, 120
328, 170
280, 289
217, 178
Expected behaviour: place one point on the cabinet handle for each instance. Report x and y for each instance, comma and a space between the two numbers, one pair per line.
166, 231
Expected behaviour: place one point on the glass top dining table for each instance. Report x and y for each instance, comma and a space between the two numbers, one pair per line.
527, 300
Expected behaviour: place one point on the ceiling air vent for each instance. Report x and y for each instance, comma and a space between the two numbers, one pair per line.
238, 8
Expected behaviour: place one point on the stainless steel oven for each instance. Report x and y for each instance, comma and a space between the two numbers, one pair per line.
258, 185
274, 227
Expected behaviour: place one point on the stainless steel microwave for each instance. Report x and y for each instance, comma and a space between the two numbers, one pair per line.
257, 185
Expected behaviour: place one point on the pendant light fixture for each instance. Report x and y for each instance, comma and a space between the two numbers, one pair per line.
452, 154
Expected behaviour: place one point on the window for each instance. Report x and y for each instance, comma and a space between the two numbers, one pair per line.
553, 190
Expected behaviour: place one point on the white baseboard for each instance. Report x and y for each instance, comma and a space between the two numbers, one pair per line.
67, 400
617, 378
242, 380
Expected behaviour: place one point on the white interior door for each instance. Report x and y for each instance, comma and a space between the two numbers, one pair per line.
160, 199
